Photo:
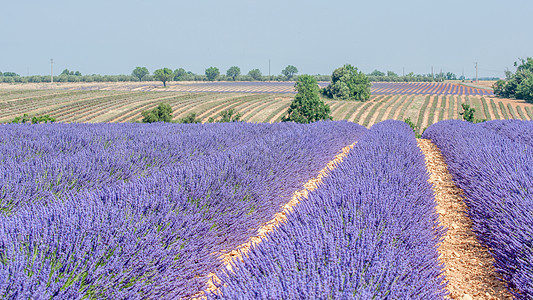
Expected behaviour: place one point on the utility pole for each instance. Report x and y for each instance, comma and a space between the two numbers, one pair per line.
476, 74
269, 69
432, 74
403, 71
51, 70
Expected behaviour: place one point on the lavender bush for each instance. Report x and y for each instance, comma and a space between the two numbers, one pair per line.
515, 130
493, 164
368, 232
136, 211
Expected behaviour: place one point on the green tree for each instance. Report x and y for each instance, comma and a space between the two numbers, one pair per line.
289, 72
255, 74
162, 113
468, 113
212, 73
228, 115
517, 85
163, 75
190, 118
10, 74
348, 83
179, 74
140, 72
307, 107
233, 72
377, 73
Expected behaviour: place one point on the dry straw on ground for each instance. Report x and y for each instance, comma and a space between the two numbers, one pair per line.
468, 265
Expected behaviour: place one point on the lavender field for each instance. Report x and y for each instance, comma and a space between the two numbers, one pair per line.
143, 211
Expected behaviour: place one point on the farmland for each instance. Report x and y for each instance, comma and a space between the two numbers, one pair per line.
147, 211
95, 106
99, 206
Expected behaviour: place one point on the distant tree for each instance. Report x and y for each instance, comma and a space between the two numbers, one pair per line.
163, 75
140, 72
517, 85
391, 74
450, 76
179, 74
289, 72
212, 73
229, 115
162, 113
307, 107
10, 74
377, 73
349, 84
70, 73
255, 74
190, 118
233, 72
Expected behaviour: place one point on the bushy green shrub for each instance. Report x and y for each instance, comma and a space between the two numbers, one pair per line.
34, 120
162, 113
307, 107
517, 85
227, 116
348, 83
190, 118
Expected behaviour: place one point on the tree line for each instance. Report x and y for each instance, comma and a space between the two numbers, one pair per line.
517, 85
347, 83
234, 73
211, 74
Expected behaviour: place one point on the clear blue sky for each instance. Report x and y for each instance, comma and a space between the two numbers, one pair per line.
115, 36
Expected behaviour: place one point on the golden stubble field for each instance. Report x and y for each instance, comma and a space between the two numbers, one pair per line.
123, 102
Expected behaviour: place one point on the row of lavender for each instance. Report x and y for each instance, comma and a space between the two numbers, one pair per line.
493, 163
137, 211
370, 231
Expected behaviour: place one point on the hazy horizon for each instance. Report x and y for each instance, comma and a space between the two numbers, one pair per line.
102, 37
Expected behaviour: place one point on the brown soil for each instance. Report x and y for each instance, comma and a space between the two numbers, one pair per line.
468, 265
277, 220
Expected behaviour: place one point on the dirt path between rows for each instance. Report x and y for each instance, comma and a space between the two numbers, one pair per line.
468, 265
277, 220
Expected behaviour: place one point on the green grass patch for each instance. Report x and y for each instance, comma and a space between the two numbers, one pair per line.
494, 109
371, 113
404, 108
485, 109
451, 116
421, 113
504, 112
512, 112
396, 107
521, 113
442, 109
529, 113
